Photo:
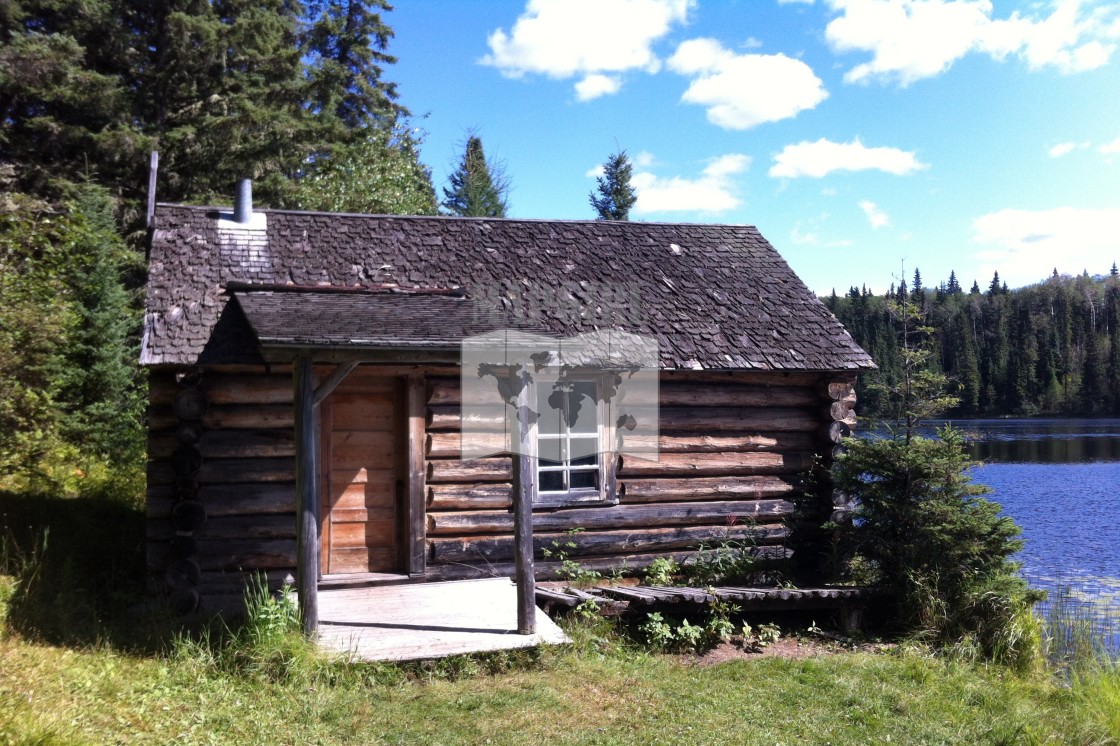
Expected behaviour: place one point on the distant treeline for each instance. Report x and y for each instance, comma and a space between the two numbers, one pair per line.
1046, 349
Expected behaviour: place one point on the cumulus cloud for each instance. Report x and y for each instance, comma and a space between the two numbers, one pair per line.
1110, 147
875, 216
594, 40
744, 90
712, 192
596, 85
1023, 245
914, 39
820, 158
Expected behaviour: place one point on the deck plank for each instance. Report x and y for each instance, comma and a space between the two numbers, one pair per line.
427, 620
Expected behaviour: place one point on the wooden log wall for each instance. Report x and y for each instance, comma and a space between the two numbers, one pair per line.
221, 483
734, 451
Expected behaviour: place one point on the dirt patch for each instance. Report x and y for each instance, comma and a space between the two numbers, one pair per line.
791, 648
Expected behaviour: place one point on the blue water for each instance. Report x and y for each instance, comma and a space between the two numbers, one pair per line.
1060, 481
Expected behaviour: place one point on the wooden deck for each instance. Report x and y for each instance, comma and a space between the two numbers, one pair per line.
427, 620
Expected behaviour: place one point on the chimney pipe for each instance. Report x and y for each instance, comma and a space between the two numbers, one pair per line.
243, 207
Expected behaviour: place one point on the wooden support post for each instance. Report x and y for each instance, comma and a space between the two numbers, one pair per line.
417, 520
524, 488
307, 496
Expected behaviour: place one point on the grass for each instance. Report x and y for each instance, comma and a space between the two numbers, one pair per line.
93, 674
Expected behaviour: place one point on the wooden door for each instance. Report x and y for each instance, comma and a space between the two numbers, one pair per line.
361, 475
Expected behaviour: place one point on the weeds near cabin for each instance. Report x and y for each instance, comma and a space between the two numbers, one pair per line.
570, 570
662, 571
724, 563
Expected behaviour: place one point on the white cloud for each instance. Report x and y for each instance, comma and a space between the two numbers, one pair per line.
875, 216
1065, 148
1024, 245
713, 191
820, 158
1062, 148
744, 90
1110, 147
914, 39
596, 85
589, 39
596, 172
643, 159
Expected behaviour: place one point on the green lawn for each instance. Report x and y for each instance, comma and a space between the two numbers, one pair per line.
598, 691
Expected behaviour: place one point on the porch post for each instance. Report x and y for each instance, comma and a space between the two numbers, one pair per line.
307, 496
524, 487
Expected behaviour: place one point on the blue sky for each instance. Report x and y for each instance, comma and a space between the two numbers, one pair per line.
860, 136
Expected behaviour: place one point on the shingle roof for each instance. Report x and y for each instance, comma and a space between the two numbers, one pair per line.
381, 319
714, 296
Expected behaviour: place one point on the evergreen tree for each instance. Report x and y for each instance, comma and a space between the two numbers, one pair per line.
993, 287
975, 290
345, 45
477, 188
1112, 317
98, 387
613, 197
953, 287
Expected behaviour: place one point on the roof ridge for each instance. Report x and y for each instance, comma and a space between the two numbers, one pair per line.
458, 218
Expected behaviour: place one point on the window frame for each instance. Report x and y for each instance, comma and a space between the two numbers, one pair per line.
605, 493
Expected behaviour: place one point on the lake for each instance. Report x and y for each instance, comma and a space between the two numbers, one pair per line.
1060, 480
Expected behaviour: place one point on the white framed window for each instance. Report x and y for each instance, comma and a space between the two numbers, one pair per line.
570, 437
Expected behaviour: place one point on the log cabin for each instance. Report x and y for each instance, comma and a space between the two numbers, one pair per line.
305, 399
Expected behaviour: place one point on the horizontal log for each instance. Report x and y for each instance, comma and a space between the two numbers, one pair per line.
601, 542
235, 417
443, 391
220, 388
227, 500
227, 556
228, 444
766, 556
468, 496
655, 515
232, 527
672, 394
447, 444
447, 417
229, 471
736, 420
475, 470
716, 464
705, 488
769, 378
677, 420
729, 393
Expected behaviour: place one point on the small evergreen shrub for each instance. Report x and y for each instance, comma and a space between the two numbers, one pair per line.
922, 530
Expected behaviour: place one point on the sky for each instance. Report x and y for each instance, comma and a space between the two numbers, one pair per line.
864, 138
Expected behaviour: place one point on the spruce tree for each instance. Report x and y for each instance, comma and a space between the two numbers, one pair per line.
345, 45
614, 196
477, 188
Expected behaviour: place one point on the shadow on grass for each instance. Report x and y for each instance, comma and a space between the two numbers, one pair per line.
79, 565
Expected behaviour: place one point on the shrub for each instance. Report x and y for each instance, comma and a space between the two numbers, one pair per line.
922, 530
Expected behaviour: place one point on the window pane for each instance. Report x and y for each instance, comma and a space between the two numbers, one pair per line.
550, 422
581, 408
589, 460
552, 481
584, 479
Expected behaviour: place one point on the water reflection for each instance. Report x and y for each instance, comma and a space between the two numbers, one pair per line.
1042, 441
